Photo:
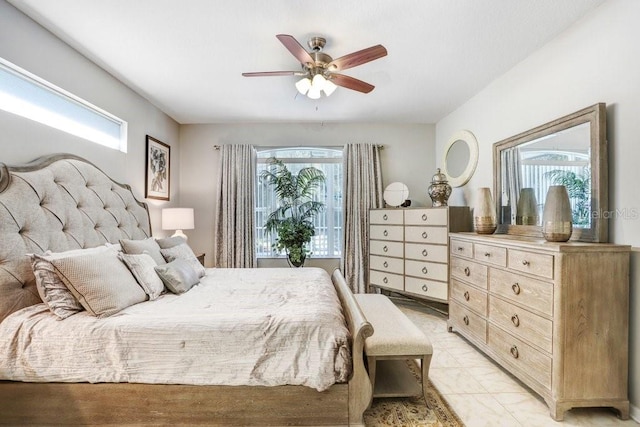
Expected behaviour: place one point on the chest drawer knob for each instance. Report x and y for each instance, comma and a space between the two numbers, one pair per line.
424, 217
525, 262
465, 319
467, 272
424, 235
385, 217
515, 320
425, 288
385, 233
385, 280
425, 252
466, 295
460, 249
385, 264
385, 248
424, 270
514, 352
515, 288
487, 254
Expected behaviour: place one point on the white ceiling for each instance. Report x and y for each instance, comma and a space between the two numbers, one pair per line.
187, 56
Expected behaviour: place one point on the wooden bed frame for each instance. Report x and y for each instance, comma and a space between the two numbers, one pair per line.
152, 404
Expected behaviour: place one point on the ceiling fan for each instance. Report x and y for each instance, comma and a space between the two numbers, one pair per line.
320, 71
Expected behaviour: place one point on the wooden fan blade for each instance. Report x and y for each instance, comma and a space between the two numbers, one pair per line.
270, 73
351, 83
296, 49
358, 58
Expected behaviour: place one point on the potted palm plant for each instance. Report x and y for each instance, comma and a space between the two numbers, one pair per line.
293, 218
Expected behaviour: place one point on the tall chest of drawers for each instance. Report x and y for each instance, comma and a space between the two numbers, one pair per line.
553, 314
409, 249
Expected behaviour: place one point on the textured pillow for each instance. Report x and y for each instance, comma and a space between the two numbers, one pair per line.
101, 282
52, 290
169, 242
178, 276
142, 268
183, 252
148, 245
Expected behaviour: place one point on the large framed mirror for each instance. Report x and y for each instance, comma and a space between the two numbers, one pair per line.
569, 151
460, 158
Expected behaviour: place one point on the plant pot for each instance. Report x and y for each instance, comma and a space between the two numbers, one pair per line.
297, 263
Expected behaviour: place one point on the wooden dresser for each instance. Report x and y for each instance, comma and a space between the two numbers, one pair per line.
409, 249
555, 315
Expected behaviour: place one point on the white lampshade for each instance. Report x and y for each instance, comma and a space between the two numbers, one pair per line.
303, 85
314, 92
178, 219
318, 82
329, 87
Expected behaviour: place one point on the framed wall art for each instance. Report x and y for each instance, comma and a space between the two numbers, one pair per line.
158, 169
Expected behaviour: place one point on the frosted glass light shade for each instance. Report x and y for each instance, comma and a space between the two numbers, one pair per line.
329, 87
303, 85
178, 219
314, 93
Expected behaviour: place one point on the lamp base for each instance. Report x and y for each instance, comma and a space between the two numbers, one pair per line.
179, 233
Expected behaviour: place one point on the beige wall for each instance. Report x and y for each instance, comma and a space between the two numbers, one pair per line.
596, 60
407, 157
28, 45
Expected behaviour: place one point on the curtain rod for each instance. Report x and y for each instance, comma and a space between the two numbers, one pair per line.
380, 146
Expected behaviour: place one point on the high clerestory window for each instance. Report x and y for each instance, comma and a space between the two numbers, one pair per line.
327, 241
29, 96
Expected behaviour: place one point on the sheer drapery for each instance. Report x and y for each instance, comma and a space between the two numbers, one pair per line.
512, 184
362, 191
235, 230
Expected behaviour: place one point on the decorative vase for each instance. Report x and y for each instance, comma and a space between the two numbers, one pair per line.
439, 190
557, 224
527, 208
484, 212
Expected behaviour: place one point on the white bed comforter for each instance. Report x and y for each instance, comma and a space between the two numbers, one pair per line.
237, 327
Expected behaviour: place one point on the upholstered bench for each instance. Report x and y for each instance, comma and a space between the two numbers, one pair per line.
395, 340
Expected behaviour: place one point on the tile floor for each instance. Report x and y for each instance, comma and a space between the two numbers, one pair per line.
479, 391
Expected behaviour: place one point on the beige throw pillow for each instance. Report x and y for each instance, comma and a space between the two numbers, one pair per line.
148, 245
142, 268
52, 290
169, 242
101, 282
184, 252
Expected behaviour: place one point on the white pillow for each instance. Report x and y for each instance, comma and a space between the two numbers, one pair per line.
101, 282
142, 268
148, 245
183, 252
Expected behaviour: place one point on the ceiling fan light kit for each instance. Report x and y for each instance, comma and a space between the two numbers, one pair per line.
320, 70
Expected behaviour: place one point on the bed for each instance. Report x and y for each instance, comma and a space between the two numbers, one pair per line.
282, 375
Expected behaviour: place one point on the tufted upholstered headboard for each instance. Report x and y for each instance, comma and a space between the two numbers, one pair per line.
57, 203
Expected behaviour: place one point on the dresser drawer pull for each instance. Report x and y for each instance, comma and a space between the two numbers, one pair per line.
515, 320
467, 272
424, 270
385, 217
385, 248
460, 248
424, 217
425, 252
525, 262
465, 319
385, 280
514, 352
487, 254
466, 295
385, 233
424, 235
425, 288
385, 264
515, 288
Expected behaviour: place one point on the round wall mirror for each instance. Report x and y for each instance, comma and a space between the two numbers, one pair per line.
460, 158
395, 194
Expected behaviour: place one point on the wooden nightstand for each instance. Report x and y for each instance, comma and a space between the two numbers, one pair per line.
200, 258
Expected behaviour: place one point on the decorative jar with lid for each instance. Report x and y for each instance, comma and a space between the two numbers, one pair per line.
439, 190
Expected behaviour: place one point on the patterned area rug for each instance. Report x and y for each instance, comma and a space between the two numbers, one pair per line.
412, 411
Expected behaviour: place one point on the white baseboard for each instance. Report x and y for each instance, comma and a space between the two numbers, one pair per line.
634, 411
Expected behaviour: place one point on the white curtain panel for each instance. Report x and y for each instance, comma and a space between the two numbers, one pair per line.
235, 228
362, 191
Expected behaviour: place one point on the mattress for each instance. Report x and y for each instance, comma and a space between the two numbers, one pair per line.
263, 327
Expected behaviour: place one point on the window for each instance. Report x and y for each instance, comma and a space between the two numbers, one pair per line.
29, 96
327, 241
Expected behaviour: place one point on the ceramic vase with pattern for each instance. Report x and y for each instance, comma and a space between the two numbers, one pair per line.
527, 208
484, 212
557, 223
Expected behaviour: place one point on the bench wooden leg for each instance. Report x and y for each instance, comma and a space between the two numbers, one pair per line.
371, 362
425, 362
